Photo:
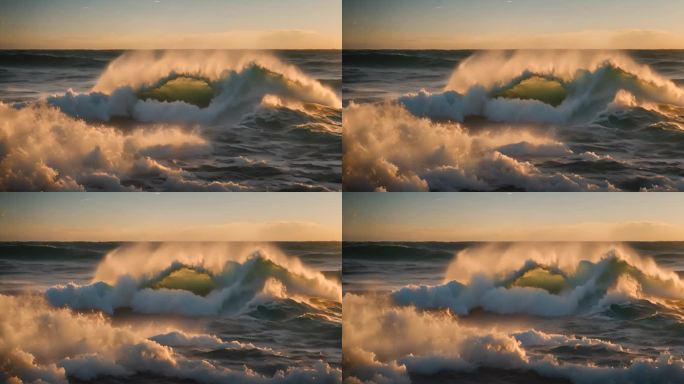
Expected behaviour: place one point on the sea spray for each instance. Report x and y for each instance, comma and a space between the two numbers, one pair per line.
132, 277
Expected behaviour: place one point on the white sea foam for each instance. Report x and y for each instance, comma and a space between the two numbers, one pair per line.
41, 344
389, 149
385, 343
44, 149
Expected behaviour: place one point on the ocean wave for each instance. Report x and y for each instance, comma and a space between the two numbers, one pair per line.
40, 344
203, 280
196, 87
542, 87
387, 343
546, 280
389, 148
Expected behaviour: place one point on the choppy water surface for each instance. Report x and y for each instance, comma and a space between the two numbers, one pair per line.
513, 313
170, 120
513, 120
163, 312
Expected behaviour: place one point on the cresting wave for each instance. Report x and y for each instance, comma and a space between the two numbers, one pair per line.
199, 280
191, 87
546, 280
543, 87
422, 331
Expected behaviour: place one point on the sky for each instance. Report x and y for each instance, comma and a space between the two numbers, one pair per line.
160, 24
513, 216
195, 216
513, 24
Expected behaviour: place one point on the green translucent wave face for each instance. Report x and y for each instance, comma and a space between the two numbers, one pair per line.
187, 279
536, 88
541, 278
190, 90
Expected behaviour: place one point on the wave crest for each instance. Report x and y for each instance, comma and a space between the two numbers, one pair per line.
545, 280
197, 86
542, 87
223, 279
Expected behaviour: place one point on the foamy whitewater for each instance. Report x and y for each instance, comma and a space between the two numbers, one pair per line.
170, 120
513, 313
513, 120
172, 313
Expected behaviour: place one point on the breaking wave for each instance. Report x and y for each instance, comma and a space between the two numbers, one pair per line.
542, 87
201, 280
191, 87
546, 280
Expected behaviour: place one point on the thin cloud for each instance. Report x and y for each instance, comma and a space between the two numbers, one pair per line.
584, 231
236, 39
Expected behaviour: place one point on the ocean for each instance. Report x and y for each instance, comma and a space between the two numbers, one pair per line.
513, 120
513, 312
171, 312
170, 120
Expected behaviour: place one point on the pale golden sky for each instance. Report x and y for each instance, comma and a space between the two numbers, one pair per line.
159, 24
243, 216
513, 217
513, 24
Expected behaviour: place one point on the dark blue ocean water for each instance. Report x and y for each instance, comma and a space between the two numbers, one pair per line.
513, 120
595, 311
271, 307
264, 120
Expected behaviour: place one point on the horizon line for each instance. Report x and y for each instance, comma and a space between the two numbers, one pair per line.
513, 241
170, 241
512, 49
170, 49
